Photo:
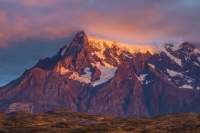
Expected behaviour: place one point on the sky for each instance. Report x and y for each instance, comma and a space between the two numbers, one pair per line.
34, 29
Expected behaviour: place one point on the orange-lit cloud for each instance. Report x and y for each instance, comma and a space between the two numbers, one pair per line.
143, 21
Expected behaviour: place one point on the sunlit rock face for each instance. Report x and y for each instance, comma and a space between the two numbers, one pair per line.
106, 77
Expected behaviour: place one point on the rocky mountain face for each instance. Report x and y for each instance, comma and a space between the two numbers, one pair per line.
104, 77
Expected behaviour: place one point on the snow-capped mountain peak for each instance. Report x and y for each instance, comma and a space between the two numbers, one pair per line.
86, 53
107, 77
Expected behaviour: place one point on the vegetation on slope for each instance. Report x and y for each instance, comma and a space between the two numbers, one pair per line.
73, 122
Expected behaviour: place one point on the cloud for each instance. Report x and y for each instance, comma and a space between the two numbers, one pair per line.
141, 21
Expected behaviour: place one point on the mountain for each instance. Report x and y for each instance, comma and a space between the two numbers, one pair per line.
105, 77
76, 122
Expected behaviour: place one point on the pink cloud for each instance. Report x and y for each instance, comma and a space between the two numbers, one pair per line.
131, 21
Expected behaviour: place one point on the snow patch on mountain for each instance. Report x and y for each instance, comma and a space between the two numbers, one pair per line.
173, 73
147, 82
187, 86
142, 77
88, 73
63, 51
196, 64
64, 71
176, 60
151, 65
107, 72
86, 78
198, 59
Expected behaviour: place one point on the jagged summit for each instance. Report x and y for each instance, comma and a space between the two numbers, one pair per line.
89, 42
80, 33
186, 46
79, 39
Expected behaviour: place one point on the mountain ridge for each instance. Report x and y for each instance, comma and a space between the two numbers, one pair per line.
99, 78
